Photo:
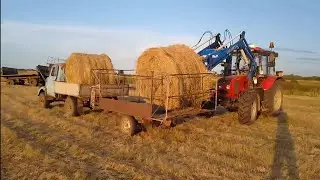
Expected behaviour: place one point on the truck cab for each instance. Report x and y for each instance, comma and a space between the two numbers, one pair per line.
56, 88
56, 73
76, 96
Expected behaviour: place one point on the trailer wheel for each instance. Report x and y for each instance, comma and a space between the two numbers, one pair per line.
273, 99
21, 82
43, 102
248, 107
128, 125
10, 82
33, 82
71, 106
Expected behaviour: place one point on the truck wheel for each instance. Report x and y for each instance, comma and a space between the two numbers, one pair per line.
43, 102
10, 82
273, 99
33, 82
128, 124
71, 106
248, 107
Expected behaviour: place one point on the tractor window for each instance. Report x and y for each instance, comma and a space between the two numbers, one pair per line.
242, 65
264, 64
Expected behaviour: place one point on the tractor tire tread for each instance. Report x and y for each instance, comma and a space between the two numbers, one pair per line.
269, 99
244, 108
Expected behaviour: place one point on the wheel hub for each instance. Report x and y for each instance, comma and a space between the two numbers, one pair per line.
126, 125
253, 111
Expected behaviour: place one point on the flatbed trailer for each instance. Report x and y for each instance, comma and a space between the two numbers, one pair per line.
122, 97
32, 79
136, 108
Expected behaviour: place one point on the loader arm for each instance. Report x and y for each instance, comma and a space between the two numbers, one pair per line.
216, 56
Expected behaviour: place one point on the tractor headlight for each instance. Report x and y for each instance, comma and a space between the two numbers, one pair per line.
255, 80
228, 87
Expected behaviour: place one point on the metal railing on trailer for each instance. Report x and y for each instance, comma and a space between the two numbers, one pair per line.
154, 103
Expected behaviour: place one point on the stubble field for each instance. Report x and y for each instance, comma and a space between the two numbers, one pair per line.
43, 144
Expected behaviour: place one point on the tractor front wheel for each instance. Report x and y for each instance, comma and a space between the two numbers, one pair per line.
248, 107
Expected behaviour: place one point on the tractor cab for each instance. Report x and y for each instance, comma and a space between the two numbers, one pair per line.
265, 59
249, 81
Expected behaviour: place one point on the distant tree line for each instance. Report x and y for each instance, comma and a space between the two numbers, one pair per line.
297, 77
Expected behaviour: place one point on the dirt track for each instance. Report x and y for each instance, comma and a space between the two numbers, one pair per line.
39, 143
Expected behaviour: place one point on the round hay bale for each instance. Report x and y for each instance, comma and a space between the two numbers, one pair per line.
164, 61
158, 62
79, 68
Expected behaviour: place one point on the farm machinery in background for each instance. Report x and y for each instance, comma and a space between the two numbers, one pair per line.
249, 82
33, 77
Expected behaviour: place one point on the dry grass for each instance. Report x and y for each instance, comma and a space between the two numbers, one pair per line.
40, 144
302, 87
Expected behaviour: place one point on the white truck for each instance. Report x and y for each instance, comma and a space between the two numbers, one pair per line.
75, 96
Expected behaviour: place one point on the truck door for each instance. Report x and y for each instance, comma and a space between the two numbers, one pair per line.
51, 79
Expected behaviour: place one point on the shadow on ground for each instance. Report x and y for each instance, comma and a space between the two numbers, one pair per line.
219, 111
284, 152
180, 121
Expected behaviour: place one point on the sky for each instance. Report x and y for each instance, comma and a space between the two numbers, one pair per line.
33, 30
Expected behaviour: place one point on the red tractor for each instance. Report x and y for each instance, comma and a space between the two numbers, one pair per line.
249, 84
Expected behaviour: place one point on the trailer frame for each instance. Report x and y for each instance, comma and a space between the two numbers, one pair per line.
146, 112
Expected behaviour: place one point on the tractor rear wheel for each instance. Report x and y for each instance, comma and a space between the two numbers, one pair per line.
273, 99
248, 107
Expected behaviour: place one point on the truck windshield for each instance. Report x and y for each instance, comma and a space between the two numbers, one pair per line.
54, 71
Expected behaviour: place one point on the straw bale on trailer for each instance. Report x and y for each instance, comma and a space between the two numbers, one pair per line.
79, 66
174, 59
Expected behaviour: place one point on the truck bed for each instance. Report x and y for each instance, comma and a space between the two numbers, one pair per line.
84, 90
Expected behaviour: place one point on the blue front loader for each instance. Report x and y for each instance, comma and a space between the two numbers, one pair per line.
216, 56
